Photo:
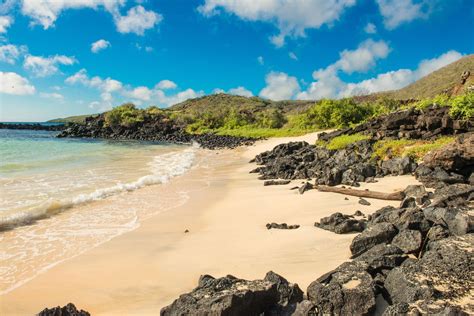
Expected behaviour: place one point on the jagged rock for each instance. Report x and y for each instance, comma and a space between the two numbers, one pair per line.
382, 256
457, 221
288, 293
408, 240
373, 235
454, 156
68, 310
398, 166
341, 224
305, 308
364, 202
441, 275
348, 290
226, 296
408, 202
276, 182
281, 226
452, 195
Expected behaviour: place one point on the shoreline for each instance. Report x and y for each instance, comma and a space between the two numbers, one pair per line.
145, 269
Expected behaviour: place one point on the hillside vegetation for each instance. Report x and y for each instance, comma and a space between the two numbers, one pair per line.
71, 119
446, 79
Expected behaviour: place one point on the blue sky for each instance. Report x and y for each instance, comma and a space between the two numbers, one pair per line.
70, 57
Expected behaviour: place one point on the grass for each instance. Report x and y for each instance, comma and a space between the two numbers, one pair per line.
343, 141
415, 149
256, 132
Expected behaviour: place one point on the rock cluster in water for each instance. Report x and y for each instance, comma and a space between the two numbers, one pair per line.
159, 130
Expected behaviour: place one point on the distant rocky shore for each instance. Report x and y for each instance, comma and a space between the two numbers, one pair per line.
33, 126
152, 130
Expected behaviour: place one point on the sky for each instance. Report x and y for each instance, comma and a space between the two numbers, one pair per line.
69, 57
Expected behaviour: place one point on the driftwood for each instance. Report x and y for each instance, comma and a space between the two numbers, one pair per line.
395, 196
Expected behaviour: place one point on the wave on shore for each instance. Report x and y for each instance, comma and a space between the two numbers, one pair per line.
163, 167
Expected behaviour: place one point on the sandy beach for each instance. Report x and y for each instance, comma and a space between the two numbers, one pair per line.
139, 272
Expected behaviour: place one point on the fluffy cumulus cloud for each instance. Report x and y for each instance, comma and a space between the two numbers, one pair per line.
362, 58
280, 86
292, 17
99, 45
113, 92
10, 53
166, 84
329, 85
46, 66
13, 83
370, 28
397, 12
137, 20
241, 91
46, 12
5, 22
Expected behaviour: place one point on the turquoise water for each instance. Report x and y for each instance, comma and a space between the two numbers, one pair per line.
41, 175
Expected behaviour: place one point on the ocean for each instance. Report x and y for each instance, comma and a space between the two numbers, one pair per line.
62, 196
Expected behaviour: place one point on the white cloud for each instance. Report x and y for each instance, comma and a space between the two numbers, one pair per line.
429, 65
46, 66
53, 95
329, 85
397, 12
169, 100
291, 17
111, 89
260, 60
292, 56
370, 28
241, 91
166, 84
137, 20
280, 86
99, 45
13, 83
140, 93
5, 22
46, 12
362, 58
10, 53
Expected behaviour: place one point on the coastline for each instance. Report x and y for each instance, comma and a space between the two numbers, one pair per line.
145, 269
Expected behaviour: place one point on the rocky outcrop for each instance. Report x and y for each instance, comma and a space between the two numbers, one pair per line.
373, 235
428, 123
348, 290
156, 129
281, 226
341, 223
443, 274
351, 165
33, 126
233, 296
67, 310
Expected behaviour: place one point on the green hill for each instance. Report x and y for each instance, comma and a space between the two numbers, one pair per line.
71, 119
446, 79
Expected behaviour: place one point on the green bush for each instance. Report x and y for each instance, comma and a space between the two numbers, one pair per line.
462, 107
124, 115
343, 141
272, 118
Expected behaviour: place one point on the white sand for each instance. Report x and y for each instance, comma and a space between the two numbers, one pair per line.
141, 271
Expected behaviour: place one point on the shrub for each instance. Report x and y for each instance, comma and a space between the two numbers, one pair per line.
124, 115
272, 118
462, 107
343, 141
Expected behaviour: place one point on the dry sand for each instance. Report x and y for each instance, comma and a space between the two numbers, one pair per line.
139, 272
